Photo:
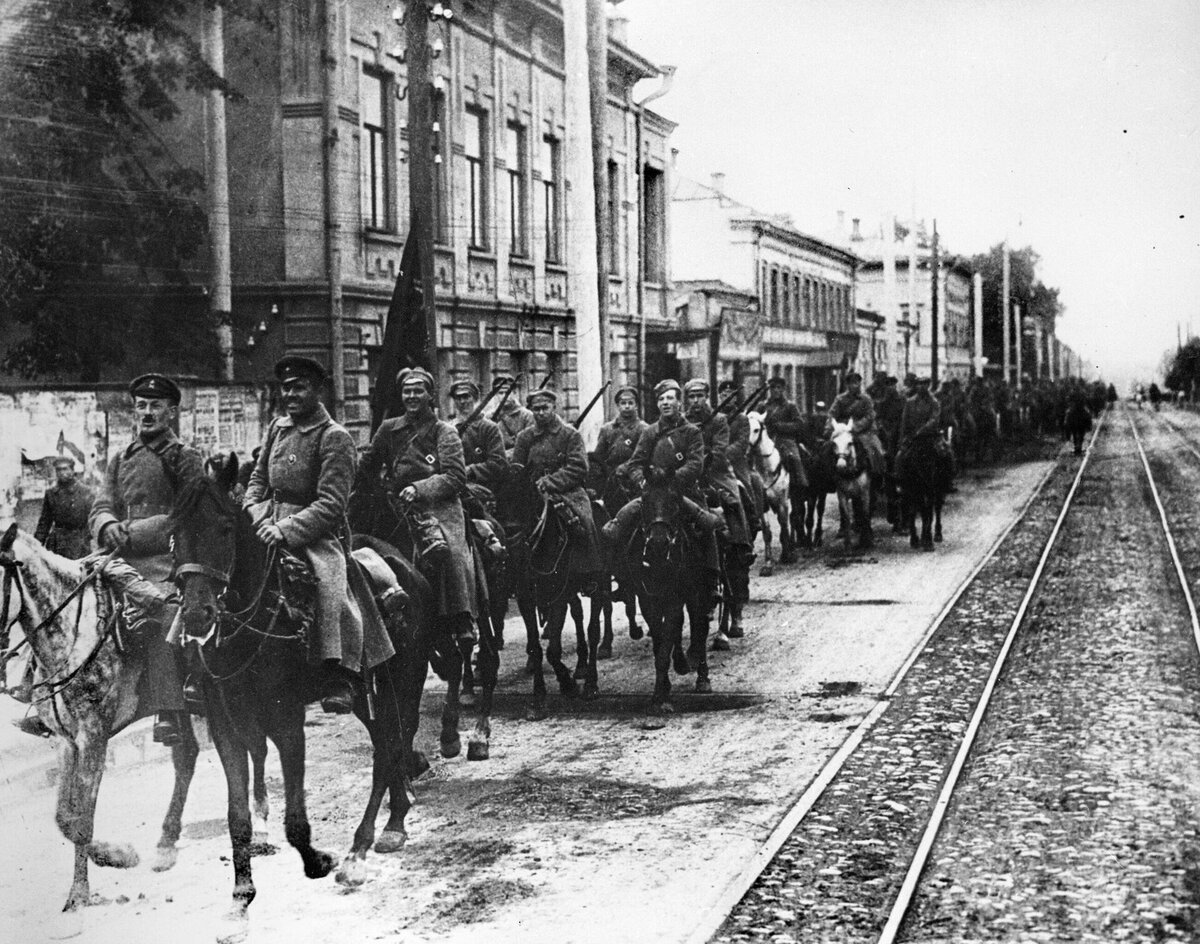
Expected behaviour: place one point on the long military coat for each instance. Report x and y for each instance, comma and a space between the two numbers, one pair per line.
301, 481
783, 422
139, 489
859, 412
615, 447
921, 419
889, 410
63, 524
483, 451
512, 421
556, 459
427, 454
738, 451
675, 447
714, 429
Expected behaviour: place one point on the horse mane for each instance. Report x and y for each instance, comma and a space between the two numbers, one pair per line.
189, 497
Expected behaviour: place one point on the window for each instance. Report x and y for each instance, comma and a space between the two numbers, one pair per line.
614, 219
475, 145
551, 170
796, 299
773, 315
654, 236
374, 151
787, 297
440, 190
514, 160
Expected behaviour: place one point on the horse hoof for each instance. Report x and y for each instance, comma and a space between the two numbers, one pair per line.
591, 691
391, 840
467, 698
938, 537
766, 571
636, 631
568, 689
703, 686
478, 750
320, 865
736, 631
682, 664
418, 765
113, 855
914, 542
580, 673
165, 858
499, 643
535, 713
532, 663
451, 748
927, 547
351, 874
720, 643
653, 722
604, 651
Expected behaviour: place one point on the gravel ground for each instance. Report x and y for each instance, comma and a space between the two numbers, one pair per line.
835, 878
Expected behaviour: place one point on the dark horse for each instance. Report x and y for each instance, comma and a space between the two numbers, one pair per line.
257, 681
1077, 423
924, 473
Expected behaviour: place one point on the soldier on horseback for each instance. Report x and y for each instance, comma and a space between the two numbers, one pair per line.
297, 499
921, 421
131, 515
738, 453
511, 417
671, 446
617, 440
718, 477
784, 424
855, 407
482, 440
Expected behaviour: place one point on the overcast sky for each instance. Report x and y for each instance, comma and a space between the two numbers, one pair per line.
1067, 125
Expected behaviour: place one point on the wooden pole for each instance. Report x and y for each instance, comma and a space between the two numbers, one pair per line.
421, 166
330, 55
606, 229
1005, 314
934, 282
216, 165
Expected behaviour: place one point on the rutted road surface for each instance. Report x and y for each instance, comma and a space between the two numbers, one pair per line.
581, 828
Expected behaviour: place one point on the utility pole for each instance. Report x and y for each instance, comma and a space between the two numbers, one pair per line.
330, 56
606, 229
1017, 348
977, 298
421, 166
934, 280
581, 212
1005, 287
216, 186
891, 308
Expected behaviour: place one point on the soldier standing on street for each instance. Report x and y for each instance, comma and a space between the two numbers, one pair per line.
512, 417
783, 423
63, 525
482, 440
131, 516
297, 498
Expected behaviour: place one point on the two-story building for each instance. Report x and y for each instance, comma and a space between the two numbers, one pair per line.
804, 285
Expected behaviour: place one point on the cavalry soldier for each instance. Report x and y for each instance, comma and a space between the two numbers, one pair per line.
618, 439
855, 407
783, 423
889, 410
922, 419
297, 498
554, 456
670, 446
482, 440
63, 524
512, 417
717, 475
131, 515
422, 461
738, 452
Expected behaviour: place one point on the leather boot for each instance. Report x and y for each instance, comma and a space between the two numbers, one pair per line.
337, 691
168, 730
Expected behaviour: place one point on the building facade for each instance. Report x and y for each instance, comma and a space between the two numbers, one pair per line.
805, 286
504, 295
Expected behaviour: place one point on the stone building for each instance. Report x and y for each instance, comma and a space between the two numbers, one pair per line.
804, 285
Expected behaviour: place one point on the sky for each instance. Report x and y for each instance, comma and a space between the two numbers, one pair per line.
1067, 126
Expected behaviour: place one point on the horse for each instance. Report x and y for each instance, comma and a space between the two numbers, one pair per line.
542, 556
819, 483
1077, 423
851, 472
663, 566
87, 676
615, 496
239, 613
777, 494
924, 481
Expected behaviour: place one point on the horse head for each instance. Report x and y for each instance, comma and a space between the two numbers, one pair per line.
661, 520
847, 463
204, 525
760, 439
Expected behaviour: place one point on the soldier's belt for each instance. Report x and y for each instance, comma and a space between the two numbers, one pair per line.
147, 510
286, 497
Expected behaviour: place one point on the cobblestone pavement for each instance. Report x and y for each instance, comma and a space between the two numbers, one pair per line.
1077, 818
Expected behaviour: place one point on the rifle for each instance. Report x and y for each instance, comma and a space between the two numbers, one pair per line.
504, 399
591, 403
728, 400
546, 380
751, 401
479, 409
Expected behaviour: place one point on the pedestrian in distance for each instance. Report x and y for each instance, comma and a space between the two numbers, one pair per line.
63, 524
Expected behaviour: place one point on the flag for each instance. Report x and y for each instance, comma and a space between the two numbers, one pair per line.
404, 337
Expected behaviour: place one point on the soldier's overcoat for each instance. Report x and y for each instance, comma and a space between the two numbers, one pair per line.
859, 412
63, 524
483, 451
615, 447
673, 446
512, 421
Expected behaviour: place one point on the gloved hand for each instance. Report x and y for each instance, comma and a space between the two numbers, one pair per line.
114, 535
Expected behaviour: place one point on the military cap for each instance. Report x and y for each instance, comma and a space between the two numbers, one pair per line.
727, 386
544, 393
64, 460
155, 387
296, 367
501, 379
853, 376
664, 385
776, 382
891, 381
415, 375
696, 384
460, 387
632, 391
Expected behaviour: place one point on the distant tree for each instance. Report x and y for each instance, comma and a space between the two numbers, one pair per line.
1183, 367
102, 231
1035, 297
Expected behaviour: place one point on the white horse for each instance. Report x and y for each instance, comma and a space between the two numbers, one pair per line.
777, 485
851, 472
86, 690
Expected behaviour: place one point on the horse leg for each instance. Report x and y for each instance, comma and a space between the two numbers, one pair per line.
478, 744
937, 519
533, 645
591, 684
449, 740
635, 630
866, 535
288, 736
910, 515
261, 805
575, 604
536, 711
465, 648
787, 539
183, 757
604, 649
556, 617
664, 640
235, 762
768, 567
698, 643
927, 522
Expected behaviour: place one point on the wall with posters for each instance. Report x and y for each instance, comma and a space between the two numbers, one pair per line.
92, 423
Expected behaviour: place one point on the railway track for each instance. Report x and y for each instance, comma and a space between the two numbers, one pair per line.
852, 860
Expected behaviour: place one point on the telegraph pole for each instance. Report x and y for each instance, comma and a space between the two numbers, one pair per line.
216, 165
934, 277
606, 229
421, 166
331, 86
1005, 313
977, 298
